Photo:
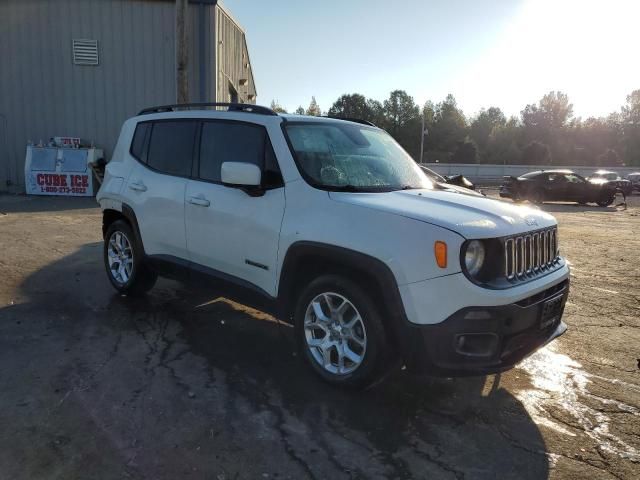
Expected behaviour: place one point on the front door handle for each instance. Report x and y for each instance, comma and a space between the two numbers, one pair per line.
199, 200
138, 186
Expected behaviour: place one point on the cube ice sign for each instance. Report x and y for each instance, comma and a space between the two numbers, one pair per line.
60, 171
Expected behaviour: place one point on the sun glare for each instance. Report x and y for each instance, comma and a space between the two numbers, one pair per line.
587, 49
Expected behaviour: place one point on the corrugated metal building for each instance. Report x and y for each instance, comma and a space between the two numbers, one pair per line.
81, 67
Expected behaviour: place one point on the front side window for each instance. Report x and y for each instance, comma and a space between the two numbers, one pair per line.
574, 178
171, 147
351, 157
556, 177
236, 142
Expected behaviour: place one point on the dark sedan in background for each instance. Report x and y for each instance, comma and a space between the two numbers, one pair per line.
557, 186
457, 180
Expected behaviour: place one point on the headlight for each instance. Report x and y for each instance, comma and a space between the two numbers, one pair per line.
474, 257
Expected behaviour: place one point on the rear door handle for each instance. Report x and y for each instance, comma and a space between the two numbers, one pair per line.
199, 200
138, 186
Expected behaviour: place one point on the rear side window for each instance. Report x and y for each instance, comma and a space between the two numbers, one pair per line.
171, 147
138, 142
236, 142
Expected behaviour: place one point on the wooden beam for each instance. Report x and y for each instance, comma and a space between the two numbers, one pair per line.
182, 51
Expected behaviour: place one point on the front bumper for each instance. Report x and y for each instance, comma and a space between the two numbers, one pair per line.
484, 340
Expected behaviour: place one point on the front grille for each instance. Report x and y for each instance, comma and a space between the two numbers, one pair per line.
526, 256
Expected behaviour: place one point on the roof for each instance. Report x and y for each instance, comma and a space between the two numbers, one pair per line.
292, 117
231, 17
551, 170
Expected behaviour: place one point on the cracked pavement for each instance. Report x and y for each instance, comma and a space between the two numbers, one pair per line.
185, 384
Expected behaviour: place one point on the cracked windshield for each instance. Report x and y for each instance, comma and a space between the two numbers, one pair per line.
352, 156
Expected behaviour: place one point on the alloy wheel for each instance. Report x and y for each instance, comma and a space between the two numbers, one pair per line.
335, 333
120, 257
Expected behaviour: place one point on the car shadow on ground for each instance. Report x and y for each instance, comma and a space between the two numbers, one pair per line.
572, 207
576, 207
244, 381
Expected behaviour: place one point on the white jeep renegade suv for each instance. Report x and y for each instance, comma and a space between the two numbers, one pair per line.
330, 225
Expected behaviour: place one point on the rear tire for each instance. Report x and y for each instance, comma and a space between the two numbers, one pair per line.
123, 261
606, 201
339, 330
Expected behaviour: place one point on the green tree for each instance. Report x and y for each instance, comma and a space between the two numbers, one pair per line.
483, 124
400, 110
503, 144
630, 128
449, 126
299, 110
547, 122
314, 109
355, 105
589, 139
536, 153
276, 107
466, 152
610, 158
376, 113
402, 120
428, 113
350, 106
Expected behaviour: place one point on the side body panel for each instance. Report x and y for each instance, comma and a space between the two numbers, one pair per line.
158, 202
233, 232
405, 245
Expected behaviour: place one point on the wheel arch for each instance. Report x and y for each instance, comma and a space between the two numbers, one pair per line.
306, 260
127, 214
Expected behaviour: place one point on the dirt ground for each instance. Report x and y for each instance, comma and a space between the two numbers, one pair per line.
183, 384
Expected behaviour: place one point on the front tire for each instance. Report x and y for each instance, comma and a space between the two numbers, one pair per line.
339, 330
537, 196
123, 260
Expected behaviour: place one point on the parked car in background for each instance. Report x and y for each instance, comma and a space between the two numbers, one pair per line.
557, 185
611, 178
458, 180
634, 178
331, 226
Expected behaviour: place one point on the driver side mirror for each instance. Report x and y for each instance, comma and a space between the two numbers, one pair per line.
241, 174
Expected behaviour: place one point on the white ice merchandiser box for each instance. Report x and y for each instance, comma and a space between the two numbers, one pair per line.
60, 171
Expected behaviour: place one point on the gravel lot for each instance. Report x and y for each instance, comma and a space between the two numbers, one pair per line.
183, 384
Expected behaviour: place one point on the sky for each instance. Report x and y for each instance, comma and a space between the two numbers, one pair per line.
504, 53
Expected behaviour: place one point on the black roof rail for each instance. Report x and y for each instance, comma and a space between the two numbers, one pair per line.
231, 107
355, 120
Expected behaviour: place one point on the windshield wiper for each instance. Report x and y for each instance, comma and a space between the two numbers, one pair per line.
365, 189
405, 187
345, 188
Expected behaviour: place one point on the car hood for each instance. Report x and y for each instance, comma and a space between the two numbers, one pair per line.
458, 189
472, 216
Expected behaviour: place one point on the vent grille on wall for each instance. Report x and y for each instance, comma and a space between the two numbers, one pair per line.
85, 52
